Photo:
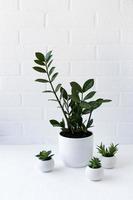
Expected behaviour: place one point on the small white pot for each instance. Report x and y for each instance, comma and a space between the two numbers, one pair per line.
47, 165
94, 174
76, 152
108, 162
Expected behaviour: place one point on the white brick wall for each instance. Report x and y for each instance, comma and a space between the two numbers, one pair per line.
90, 39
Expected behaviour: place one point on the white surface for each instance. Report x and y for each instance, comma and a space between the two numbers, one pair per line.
75, 152
21, 178
90, 39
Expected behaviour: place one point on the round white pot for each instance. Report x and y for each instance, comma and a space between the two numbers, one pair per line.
47, 165
94, 174
76, 152
108, 162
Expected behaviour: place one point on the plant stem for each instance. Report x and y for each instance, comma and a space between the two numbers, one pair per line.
89, 118
56, 95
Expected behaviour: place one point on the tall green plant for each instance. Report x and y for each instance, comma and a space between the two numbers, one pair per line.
75, 105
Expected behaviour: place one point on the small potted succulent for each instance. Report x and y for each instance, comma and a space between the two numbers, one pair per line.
108, 155
47, 162
94, 170
77, 106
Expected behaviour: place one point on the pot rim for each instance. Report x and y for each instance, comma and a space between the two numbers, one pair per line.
108, 157
80, 138
47, 160
94, 169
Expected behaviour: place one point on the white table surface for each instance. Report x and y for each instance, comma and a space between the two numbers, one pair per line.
21, 178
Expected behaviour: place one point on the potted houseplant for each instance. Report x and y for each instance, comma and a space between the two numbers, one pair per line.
94, 170
47, 162
108, 155
75, 139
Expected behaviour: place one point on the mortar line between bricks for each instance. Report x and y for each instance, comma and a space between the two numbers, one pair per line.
69, 37
120, 36
95, 20
69, 5
45, 20
18, 4
120, 5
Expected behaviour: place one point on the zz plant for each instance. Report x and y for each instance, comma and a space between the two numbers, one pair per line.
74, 105
107, 152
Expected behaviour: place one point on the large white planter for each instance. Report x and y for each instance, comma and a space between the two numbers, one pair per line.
47, 165
94, 174
108, 162
76, 152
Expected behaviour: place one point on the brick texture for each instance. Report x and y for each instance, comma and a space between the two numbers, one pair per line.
90, 39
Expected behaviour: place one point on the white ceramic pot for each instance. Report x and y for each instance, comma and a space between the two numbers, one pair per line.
94, 174
47, 165
76, 152
108, 162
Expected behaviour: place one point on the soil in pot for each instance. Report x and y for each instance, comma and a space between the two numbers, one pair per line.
79, 134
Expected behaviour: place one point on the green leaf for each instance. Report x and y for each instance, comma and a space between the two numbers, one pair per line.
62, 123
52, 100
57, 87
51, 70
42, 80
106, 100
54, 76
63, 93
40, 56
90, 95
50, 63
88, 84
48, 56
76, 86
39, 69
86, 111
55, 123
85, 105
39, 62
47, 91
75, 97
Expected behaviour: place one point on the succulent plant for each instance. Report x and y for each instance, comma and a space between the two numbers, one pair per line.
45, 155
109, 151
94, 163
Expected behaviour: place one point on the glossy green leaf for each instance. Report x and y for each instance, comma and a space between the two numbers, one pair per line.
42, 80
55, 123
75, 97
63, 93
52, 100
48, 56
76, 86
51, 70
90, 95
57, 87
47, 91
50, 63
40, 56
39, 69
106, 100
39, 62
85, 105
86, 111
88, 84
62, 123
54, 76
